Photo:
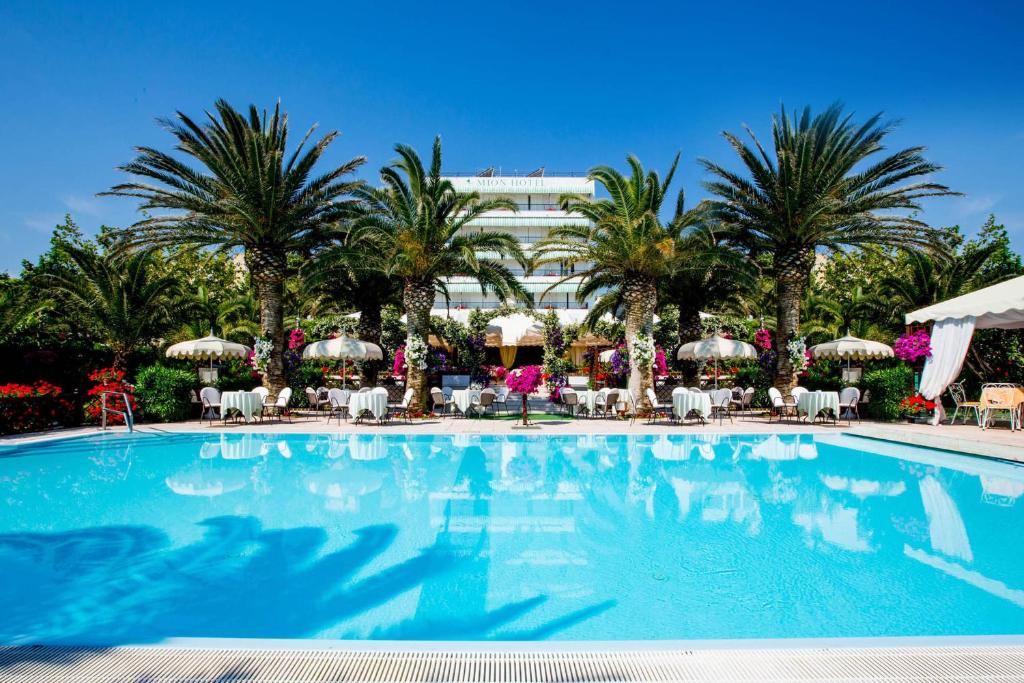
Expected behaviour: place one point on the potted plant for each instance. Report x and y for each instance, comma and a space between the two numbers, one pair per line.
917, 408
524, 381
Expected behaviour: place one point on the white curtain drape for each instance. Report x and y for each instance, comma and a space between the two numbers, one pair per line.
950, 340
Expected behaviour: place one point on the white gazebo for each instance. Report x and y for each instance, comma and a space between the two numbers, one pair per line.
999, 306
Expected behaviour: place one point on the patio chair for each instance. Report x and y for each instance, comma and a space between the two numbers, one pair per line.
696, 389
797, 392
501, 399
280, 406
721, 401
746, 403
317, 404
610, 399
849, 400
480, 405
402, 408
365, 390
439, 402
657, 408
210, 398
959, 396
778, 405
337, 401
570, 400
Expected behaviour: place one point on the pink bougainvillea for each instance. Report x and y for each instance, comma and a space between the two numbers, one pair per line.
398, 368
525, 380
763, 339
913, 346
660, 363
296, 339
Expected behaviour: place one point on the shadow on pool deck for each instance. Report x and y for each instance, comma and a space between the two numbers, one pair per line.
123, 584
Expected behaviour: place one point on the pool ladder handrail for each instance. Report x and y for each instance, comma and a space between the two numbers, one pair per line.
126, 413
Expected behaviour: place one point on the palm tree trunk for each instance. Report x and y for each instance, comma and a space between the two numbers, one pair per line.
639, 294
792, 277
267, 270
688, 330
418, 297
369, 329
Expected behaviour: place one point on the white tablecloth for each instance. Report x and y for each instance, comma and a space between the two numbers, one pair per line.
682, 404
463, 398
376, 403
247, 403
588, 399
813, 402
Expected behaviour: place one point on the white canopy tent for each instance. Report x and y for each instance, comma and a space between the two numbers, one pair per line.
999, 306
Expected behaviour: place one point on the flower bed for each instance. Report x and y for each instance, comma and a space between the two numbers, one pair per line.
33, 408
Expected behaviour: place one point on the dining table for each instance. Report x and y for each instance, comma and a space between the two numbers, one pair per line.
248, 404
685, 402
811, 404
375, 402
464, 398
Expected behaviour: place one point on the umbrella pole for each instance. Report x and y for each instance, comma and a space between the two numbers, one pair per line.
342, 373
716, 373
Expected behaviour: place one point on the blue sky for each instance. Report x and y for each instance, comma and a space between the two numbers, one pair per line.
515, 85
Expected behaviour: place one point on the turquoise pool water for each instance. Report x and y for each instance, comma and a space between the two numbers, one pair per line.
114, 539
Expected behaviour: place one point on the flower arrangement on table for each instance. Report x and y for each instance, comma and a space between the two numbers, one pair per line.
913, 346
916, 405
524, 381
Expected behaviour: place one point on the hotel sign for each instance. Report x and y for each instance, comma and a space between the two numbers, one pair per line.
523, 185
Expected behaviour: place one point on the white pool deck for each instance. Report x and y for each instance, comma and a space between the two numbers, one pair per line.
899, 659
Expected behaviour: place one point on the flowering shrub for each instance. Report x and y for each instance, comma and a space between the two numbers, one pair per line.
296, 339
620, 363
912, 346
643, 351
32, 407
798, 355
763, 339
108, 379
499, 372
416, 352
660, 363
259, 357
525, 380
399, 367
917, 405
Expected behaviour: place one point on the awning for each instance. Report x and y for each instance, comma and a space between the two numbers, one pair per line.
1000, 306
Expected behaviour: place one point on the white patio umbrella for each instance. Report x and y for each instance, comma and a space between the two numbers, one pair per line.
208, 347
716, 348
345, 349
851, 348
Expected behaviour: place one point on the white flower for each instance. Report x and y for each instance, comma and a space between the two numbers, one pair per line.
797, 349
262, 349
416, 352
643, 351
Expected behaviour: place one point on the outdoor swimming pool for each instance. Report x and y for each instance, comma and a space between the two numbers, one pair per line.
137, 538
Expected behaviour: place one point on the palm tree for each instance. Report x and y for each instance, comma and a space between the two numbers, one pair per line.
247, 193
822, 188
121, 299
18, 309
938, 275
230, 317
624, 252
340, 278
415, 228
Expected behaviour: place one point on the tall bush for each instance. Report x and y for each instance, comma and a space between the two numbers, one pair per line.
164, 394
888, 387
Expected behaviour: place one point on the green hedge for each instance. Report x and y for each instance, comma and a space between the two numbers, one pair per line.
164, 394
888, 387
